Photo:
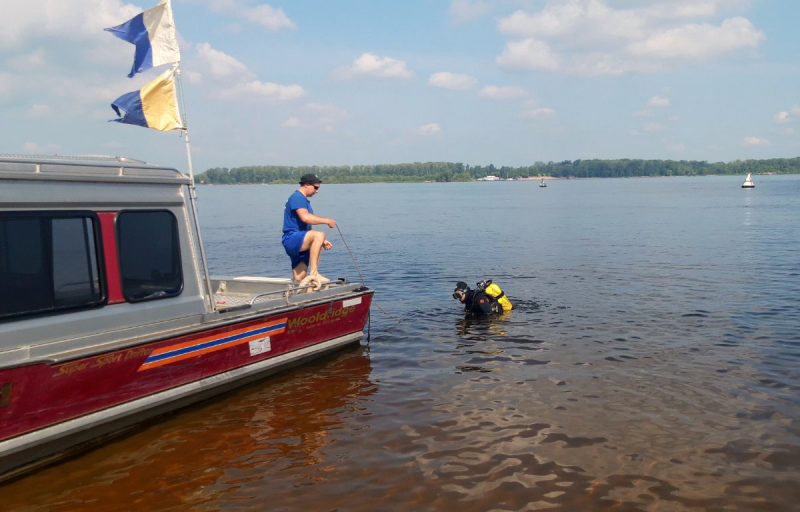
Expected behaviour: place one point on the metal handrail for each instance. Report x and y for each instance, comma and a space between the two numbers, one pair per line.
291, 290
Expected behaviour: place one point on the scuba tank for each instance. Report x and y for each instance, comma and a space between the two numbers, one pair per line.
494, 291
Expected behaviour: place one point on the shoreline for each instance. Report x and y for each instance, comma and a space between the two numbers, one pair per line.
538, 178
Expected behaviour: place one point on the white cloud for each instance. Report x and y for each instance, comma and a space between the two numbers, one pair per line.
658, 101
447, 80
28, 61
256, 90
370, 65
318, 116
430, 129
652, 127
755, 141
326, 116
83, 90
221, 66
539, 114
236, 81
699, 41
676, 9
787, 116
39, 111
643, 113
604, 64
193, 77
530, 55
782, 118
676, 146
41, 149
25, 20
328, 110
508, 92
575, 21
270, 17
596, 37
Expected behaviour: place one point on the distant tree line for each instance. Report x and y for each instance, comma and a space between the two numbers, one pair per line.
449, 171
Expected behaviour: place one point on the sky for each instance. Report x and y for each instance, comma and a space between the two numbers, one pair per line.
358, 82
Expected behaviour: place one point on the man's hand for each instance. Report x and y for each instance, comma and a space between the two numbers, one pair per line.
327, 245
331, 223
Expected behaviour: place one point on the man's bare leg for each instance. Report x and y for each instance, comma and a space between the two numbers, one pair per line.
313, 244
299, 272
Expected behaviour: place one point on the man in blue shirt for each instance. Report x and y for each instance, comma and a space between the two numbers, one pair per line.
303, 244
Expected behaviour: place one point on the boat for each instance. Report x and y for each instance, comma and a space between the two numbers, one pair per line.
542, 184
748, 182
108, 316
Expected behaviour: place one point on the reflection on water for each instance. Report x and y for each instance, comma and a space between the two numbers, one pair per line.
650, 362
223, 451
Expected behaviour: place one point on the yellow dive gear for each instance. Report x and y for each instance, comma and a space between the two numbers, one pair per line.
495, 292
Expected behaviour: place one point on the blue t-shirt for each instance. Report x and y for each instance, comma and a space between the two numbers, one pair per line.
291, 222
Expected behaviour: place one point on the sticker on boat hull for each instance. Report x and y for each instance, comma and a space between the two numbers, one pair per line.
260, 346
351, 302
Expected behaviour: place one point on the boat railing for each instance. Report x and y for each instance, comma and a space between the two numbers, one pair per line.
229, 300
296, 290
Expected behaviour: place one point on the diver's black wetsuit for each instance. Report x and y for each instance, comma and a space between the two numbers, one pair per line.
478, 303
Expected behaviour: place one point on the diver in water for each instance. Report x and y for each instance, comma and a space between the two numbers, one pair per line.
486, 300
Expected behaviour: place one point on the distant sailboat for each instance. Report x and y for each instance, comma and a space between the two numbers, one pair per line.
542, 184
748, 182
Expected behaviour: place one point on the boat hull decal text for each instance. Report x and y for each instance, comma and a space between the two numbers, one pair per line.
321, 317
208, 344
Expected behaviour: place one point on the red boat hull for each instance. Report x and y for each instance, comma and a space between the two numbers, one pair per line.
41, 395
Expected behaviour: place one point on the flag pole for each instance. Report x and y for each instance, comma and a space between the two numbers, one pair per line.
160, 46
192, 189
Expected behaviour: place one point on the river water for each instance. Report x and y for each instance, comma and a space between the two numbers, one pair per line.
651, 362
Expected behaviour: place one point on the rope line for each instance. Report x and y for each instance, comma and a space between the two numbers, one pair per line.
360, 276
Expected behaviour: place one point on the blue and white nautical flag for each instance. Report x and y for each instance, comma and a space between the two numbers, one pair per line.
153, 33
153, 106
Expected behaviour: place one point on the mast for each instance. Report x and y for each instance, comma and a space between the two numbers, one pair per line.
193, 191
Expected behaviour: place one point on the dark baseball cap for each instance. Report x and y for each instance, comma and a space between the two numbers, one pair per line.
310, 178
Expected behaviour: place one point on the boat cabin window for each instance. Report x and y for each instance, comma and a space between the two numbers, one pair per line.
48, 262
149, 255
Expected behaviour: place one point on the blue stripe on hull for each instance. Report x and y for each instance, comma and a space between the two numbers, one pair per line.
209, 344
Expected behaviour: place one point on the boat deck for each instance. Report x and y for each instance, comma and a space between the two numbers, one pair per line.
240, 293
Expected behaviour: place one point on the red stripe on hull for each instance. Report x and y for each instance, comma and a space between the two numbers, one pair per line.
40, 395
210, 339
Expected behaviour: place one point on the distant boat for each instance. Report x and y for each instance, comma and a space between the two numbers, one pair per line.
748, 182
542, 184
